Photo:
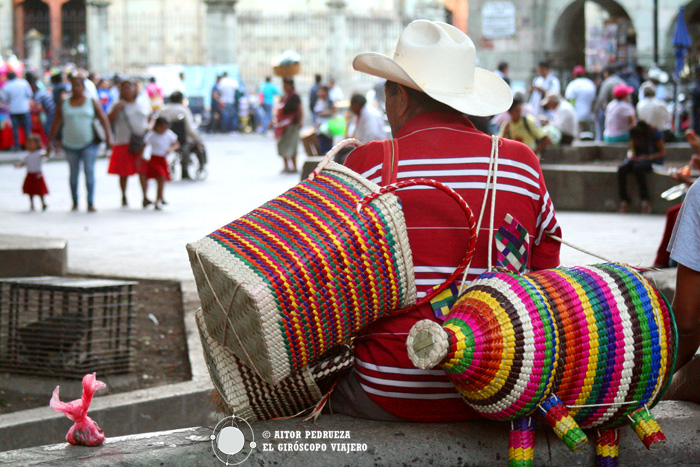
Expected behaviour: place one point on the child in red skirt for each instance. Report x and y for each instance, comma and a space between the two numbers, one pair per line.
162, 141
34, 184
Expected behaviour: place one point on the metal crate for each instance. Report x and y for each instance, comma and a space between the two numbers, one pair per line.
64, 326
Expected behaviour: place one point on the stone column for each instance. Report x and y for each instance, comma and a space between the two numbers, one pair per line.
98, 37
56, 27
221, 30
338, 40
33, 46
6, 13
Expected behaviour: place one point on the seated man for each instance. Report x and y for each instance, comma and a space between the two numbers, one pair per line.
685, 250
563, 117
425, 103
523, 128
175, 111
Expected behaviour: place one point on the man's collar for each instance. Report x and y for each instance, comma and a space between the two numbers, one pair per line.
428, 119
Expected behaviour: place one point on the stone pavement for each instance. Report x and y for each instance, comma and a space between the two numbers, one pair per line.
342, 441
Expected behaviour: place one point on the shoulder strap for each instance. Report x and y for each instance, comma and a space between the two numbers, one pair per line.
391, 161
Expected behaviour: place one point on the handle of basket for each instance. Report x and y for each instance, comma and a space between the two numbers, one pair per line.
470, 220
331, 154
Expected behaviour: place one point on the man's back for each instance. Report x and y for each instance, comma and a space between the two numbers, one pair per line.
228, 87
447, 148
18, 94
582, 92
605, 93
654, 112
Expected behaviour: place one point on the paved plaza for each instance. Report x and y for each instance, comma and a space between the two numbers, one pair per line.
244, 172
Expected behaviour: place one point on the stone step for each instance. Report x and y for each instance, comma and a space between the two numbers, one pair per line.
593, 188
25, 256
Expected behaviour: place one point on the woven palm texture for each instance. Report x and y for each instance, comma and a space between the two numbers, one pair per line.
296, 277
580, 347
290, 280
246, 395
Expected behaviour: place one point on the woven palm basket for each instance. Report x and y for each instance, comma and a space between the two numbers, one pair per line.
246, 395
602, 338
292, 279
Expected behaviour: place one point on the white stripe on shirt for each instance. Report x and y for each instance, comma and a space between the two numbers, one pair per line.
411, 395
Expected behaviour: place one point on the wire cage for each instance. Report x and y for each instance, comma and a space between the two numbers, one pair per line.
65, 326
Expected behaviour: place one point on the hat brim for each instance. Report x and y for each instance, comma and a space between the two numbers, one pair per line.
489, 96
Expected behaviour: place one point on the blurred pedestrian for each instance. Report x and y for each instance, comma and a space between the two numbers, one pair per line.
523, 128
653, 110
44, 104
59, 88
313, 95
215, 108
229, 116
34, 183
581, 93
502, 72
563, 117
334, 92
619, 116
130, 122
162, 141
287, 126
77, 116
155, 94
369, 125
545, 82
325, 110
104, 95
269, 91
176, 111
605, 96
646, 149
17, 94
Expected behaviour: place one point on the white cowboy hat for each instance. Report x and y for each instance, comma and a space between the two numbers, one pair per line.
440, 60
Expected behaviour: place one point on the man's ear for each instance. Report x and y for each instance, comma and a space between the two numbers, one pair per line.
402, 100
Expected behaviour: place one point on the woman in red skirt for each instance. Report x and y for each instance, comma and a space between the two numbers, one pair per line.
34, 184
129, 119
162, 141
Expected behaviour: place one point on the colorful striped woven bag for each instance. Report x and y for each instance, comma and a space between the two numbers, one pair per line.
582, 347
294, 278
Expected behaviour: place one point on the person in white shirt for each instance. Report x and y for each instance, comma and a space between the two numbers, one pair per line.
34, 183
544, 83
163, 141
653, 110
17, 94
229, 116
581, 93
502, 72
334, 91
564, 117
369, 124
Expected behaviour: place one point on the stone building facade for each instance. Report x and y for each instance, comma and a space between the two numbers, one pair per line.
129, 35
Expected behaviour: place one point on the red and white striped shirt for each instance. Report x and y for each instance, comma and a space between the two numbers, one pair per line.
446, 148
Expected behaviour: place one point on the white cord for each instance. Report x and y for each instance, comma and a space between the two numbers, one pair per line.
492, 158
564, 242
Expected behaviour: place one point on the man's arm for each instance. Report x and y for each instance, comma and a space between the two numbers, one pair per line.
686, 309
189, 126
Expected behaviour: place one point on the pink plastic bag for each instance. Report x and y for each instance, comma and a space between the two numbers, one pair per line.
84, 431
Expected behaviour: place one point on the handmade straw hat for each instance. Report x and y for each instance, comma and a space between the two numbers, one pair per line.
440, 60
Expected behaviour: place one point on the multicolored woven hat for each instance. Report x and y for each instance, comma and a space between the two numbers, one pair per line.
294, 278
582, 347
